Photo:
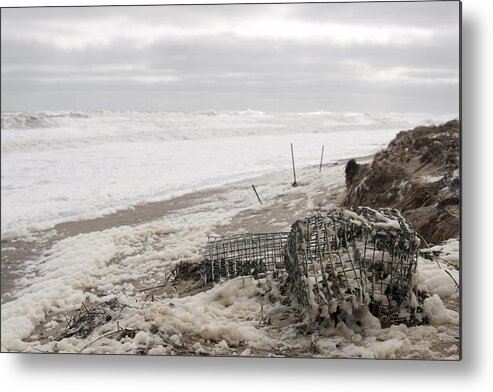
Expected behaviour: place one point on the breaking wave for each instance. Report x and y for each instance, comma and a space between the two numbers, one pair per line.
39, 131
32, 120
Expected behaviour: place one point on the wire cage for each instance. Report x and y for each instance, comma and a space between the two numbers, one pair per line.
342, 257
244, 255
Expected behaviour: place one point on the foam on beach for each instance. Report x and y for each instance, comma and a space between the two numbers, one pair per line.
40, 187
114, 264
65, 166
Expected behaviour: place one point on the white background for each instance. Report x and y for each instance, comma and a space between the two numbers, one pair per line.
474, 373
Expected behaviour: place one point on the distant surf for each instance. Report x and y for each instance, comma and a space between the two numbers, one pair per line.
69, 165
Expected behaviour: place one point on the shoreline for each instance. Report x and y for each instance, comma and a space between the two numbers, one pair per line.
139, 247
16, 251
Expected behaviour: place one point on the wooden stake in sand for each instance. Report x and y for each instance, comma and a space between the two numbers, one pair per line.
294, 184
260, 201
321, 160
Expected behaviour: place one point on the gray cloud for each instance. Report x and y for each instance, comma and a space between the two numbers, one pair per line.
339, 57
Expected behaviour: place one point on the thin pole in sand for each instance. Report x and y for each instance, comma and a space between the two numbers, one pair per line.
294, 184
260, 201
321, 159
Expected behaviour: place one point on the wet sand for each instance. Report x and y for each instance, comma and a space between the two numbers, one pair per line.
16, 251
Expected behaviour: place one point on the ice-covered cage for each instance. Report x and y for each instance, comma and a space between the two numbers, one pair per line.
333, 260
342, 257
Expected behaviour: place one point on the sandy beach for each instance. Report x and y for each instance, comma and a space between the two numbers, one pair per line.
278, 212
316, 191
156, 237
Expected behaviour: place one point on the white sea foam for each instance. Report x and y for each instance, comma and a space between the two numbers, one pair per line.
42, 131
61, 166
113, 263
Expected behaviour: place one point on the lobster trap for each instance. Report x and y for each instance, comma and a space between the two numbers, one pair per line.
244, 255
341, 259
345, 258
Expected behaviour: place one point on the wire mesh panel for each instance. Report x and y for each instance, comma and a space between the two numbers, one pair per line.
244, 255
345, 259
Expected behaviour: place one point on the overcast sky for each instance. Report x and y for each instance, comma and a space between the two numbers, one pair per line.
377, 57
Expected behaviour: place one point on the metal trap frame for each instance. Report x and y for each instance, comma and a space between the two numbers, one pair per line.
244, 255
333, 260
362, 257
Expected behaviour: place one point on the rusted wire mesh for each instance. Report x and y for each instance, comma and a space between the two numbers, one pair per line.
343, 258
244, 255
